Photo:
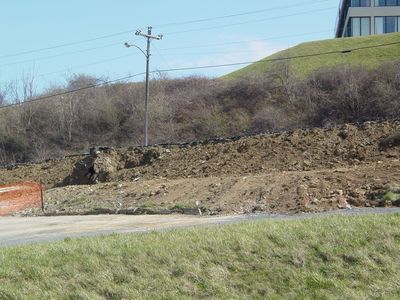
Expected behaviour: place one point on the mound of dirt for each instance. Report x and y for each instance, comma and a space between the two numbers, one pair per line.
301, 170
290, 151
276, 192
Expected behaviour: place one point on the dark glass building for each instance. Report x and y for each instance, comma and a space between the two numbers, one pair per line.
366, 17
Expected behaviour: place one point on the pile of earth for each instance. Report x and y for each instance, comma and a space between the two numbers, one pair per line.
371, 185
302, 170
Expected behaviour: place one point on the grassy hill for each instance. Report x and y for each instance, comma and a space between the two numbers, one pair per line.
370, 57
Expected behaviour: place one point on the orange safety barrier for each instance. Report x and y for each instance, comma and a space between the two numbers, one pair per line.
20, 196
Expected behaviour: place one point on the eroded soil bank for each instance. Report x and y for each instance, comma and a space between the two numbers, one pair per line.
312, 170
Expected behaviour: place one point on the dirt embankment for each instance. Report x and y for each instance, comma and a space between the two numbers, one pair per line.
313, 170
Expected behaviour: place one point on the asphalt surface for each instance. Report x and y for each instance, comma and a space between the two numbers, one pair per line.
27, 230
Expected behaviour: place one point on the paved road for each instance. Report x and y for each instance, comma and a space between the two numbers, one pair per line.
18, 230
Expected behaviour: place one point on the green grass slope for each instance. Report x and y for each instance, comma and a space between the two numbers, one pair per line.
302, 67
339, 257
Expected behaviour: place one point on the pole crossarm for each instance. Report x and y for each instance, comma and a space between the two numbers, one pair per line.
149, 36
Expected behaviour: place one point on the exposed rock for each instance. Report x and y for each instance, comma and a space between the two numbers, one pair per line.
392, 140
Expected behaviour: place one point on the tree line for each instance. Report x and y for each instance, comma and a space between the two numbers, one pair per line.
188, 109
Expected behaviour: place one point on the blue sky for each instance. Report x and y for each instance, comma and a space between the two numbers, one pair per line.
32, 25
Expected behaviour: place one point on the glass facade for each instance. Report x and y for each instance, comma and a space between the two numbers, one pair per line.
387, 2
387, 24
365, 17
365, 26
360, 3
359, 26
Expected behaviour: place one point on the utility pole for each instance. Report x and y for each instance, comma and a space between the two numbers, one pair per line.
147, 54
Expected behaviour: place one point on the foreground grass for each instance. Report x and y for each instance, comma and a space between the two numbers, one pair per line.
302, 67
326, 258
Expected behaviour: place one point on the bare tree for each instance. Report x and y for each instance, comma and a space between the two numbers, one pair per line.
4, 93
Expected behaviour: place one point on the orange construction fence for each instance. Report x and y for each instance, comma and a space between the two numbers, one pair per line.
20, 196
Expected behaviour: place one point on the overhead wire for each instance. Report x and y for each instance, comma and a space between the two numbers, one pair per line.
88, 65
72, 91
161, 49
220, 52
248, 22
113, 59
60, 55
158, 50
65, 44
243, 41
238, 14
162, 56
160, 25
277, 59
344, 51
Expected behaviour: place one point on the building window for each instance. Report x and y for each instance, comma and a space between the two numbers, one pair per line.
386, 24
365, 26
360, 3
387, 2
359, 26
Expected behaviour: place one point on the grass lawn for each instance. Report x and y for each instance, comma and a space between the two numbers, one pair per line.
338, 257
302, 67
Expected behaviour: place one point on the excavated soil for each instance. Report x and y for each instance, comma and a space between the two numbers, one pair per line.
298, 171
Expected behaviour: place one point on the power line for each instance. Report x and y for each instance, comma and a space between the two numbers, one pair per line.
73, 91
219, 52
160, 25
119, 33
249, 22
239, 14
158, 51
130, 55
244, 41
162, 56
87, 65
61, 54
344, 51
66, 44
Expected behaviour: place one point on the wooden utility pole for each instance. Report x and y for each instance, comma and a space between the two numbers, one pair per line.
147, 54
